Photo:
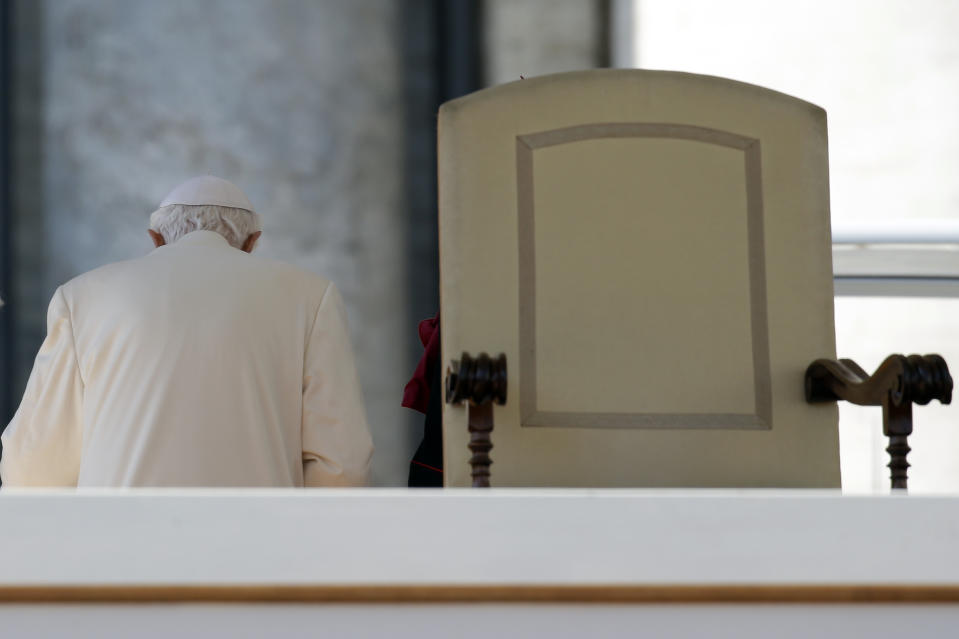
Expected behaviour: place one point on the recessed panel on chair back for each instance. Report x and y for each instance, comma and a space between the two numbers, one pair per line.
651, 250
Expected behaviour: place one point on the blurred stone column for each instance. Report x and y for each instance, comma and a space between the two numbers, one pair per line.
535, 37
27, 302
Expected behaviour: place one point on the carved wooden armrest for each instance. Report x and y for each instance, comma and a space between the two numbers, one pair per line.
897, 384
480, 382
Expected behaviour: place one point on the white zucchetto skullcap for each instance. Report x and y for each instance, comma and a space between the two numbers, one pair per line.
207, 189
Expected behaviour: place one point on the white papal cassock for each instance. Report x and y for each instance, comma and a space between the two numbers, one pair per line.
195, 365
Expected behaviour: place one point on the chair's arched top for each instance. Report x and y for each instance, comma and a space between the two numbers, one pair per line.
594, 83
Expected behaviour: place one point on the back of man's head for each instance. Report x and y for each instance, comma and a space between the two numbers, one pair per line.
207, 203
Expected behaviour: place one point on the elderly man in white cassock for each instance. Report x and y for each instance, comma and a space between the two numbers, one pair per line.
197, 364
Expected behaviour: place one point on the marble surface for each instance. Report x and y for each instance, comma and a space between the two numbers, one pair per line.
476, 537
535, 37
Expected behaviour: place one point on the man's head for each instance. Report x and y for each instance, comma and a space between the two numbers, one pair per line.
206, 203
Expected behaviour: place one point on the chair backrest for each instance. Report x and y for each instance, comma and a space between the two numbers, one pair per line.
651, 250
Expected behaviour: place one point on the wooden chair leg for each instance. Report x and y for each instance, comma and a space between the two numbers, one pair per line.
481, 428
480, 382
897, 426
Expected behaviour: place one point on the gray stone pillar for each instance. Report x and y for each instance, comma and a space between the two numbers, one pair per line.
535, 37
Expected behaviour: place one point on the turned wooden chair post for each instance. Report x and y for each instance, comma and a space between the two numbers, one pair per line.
897, 426
897, 384
478, 382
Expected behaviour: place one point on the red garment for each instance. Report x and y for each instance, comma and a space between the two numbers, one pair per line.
416, 395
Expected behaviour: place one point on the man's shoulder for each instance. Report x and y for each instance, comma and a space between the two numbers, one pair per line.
289, 273
108, 271
148, 262
154, 269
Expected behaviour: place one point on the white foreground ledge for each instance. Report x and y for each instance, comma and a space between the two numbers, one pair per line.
512, 538
477, 564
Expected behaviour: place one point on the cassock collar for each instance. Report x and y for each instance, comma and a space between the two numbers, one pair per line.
202, 238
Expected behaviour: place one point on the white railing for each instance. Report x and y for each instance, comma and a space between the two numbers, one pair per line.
912, 258
919, 231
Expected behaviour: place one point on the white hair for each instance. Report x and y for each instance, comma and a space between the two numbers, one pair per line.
176, 220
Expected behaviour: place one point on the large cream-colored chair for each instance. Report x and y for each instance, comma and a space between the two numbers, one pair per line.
651, 252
